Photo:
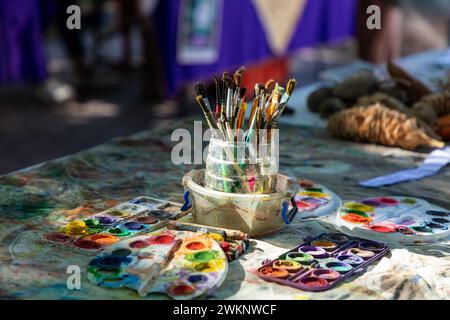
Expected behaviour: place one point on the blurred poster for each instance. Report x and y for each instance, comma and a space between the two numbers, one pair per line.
279, 20
199, 31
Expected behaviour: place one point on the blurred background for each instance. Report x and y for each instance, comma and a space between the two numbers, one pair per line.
132, 64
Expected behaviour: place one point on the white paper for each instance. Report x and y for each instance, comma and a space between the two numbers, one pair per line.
435, 161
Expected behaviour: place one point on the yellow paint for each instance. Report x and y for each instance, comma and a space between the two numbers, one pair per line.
358, 206
313, 194
76, 228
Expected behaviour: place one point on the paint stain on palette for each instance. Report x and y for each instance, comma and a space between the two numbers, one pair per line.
314, 200
180, 264
402, 220
90, 234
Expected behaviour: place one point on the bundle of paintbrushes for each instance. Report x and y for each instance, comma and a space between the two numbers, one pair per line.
227, 119
241, 157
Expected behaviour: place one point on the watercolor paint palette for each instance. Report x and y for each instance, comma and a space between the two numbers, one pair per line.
94, 232
402, 220
314, 200
180, 264
323, 262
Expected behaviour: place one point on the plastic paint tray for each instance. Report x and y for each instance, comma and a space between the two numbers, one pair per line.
323, 262
128, 219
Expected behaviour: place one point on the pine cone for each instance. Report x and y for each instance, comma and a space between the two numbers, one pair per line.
381, 125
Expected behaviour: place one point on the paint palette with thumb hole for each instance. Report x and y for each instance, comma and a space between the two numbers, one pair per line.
180, 264
396, 220
90, 234
323, 262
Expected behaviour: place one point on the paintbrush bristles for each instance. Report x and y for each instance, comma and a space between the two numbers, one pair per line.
237, 79
290, 86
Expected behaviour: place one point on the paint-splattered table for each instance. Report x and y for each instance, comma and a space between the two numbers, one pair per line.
100, 177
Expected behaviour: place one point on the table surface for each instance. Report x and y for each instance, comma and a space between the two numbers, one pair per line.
98, 178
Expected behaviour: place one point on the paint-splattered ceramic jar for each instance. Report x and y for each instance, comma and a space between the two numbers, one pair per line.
252, 213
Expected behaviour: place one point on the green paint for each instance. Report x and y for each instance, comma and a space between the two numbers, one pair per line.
201, 256
409, 201
359, 213
119, 232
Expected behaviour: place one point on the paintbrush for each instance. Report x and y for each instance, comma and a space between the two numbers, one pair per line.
208, 116
282, 105
216, 82
229, 233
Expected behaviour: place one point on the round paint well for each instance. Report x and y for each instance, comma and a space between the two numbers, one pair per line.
195, 245
438, 213
121, 252
358, 206
106, 220
92, 223
197, 278
87, 244
365, 254
356, 218
388, 201
371, 246
120, 232
371, 202
441, 220
181, 290
118, 213
160, 214
423, 229
327, 274
314, 251
405, 230
76, 228
289, 265
139, 244
149, 219
300, 257
340, 266
435, 225
161, 239
134, 226
58, 237
103, 239
273, 272
314, 282
324, 244
337, 237
201, 256
384, 228
351, 259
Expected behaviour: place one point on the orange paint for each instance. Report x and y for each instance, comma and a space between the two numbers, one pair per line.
273, 272
195, 245
355, 218
103, 239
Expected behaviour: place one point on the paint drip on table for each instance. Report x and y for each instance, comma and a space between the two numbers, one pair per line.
401, 220
180, 264
321, 263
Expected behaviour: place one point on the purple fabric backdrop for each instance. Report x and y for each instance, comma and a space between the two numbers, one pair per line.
243, 40
21, 51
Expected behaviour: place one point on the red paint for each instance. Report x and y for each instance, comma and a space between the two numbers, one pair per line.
388, 201
57, 237
161, 239
87, 244
224, 245
182, 290
195, 245
139, 244
303, 205
314, 282
384, 228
